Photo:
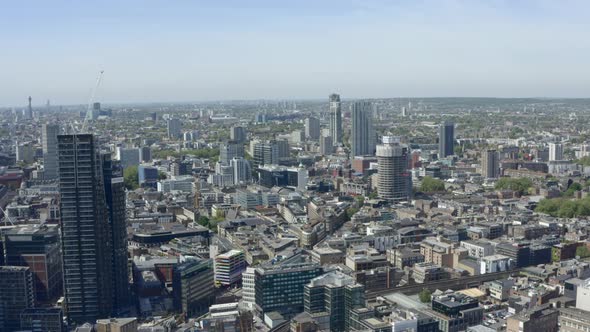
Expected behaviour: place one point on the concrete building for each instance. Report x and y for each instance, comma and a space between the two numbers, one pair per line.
362, 133
193, 286
490, 164
229, 267
335, 119
248, 288
174, 128
326, 145
495, 263
117, 325
394, 180
238, 134
573, 320
49, 134
456, 312
446, 139
230, 150
537, 319
242, 171
128, 157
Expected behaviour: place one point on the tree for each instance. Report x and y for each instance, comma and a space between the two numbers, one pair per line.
430, 184
162, 175
582, 251
519, 185
425, 295
572, 189
131, 178
351, 212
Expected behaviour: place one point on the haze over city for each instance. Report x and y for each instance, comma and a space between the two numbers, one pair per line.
155, 51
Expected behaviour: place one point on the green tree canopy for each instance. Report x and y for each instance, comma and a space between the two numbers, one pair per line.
518, 185
430, 184
425, 295
131, 178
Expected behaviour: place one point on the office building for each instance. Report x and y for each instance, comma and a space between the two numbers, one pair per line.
128, 157
331, 297
242, 171
272, 175
28, 112
456, 312
145, 154
49, 134
312, 128
394, 180
193, 286
117, 325
229, 267
490, 164
335, 119
86, 239
238, 134
183, 183
248, 287
230, 150
42, 320
25, 152
37, 247
326, 145
270, 152
573, 320
446, 139
17, 293
555, 151
280, 287
362, 134
541, 318
174, 128
227, 317
114, 188
148, 176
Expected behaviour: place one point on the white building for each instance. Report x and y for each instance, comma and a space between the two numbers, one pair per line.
495, 263
178, 183
555, 151
248, 289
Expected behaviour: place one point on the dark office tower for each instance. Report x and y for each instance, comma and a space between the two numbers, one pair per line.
16, 294
394, 181
28, 112
230, 150
49, 134
114, 188
280, 287
38, 248
193, 286
312, 128
490, 164
86, 240
446, 139
145, 154
362, 135
238, 134
335, 119
331, 297
42, 320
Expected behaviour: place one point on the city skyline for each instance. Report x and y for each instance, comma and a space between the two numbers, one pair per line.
227, 51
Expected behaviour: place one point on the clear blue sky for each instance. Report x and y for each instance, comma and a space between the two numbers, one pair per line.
250, 49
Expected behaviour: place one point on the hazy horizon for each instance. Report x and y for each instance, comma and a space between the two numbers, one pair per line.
205, 51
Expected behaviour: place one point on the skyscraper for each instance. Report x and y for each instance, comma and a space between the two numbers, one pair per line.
446, 139
242, 170
326, 146
335, 119
555, 151
362, 135
85, 235
230, 150
490, 164
238, 134
174, 127
49, 134
28, 112
394, 181
312, 127
114, 188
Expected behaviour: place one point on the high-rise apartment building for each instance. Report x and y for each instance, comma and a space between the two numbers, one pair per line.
394, 179
37, 247
330, 298
446, 139
490, 164
326, 145
335, 119
312, 128
85, 233
555, 151
114, 187
238, 134
242, 170
362, 135
17, 293
49, 134
230, 150
174, 128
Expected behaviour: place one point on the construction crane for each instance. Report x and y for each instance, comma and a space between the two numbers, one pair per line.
7, 218
91, 100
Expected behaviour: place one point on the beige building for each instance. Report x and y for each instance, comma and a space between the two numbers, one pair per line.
117, 325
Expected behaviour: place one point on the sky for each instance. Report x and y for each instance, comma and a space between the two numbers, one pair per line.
178, 51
